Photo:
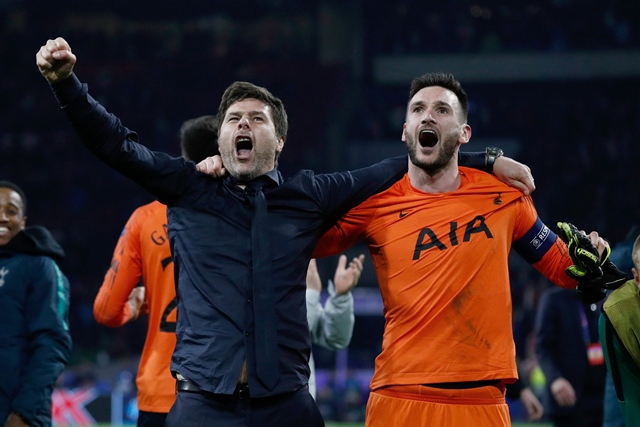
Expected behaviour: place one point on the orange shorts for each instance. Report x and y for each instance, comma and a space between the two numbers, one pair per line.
427, 406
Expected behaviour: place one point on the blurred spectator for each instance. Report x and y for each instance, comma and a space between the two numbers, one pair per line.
619, 398
571, 359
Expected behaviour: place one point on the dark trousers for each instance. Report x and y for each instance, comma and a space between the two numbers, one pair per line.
151, 419
297, 409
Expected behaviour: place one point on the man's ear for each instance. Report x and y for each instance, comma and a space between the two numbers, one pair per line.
404, 134
465, 134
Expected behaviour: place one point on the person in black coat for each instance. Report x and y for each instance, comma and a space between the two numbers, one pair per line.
571, 358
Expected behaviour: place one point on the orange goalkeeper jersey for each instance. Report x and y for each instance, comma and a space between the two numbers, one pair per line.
143, 254
442, 267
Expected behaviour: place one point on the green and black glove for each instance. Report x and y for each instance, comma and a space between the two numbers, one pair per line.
594, 274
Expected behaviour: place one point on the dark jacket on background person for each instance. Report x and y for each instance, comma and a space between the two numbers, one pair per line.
35, 343
565, 327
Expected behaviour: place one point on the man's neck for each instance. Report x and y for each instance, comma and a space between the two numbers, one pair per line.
443, 181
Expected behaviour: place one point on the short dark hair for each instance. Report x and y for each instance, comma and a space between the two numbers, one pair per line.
239, 91
14, 187
199, 138
445, 80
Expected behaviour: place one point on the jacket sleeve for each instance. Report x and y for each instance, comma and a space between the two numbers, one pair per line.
110, 307
334, 323
164, 176
339, 192
49, 340
348, 231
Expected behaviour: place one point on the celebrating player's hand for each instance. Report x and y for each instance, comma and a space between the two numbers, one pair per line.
137, 302
592, 268
346, 277
586, 251
55, 60
515, 174
212, 166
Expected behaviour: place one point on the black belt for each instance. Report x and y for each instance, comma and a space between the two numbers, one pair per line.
464, 384
241, 392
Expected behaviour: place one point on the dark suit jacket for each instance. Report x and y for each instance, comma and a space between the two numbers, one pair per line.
561, 347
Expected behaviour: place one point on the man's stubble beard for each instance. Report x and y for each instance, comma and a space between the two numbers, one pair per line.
445, 154
260, 162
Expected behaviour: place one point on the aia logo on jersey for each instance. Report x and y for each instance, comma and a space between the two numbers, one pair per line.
428, 239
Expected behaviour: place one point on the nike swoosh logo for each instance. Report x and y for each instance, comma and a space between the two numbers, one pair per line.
403, 214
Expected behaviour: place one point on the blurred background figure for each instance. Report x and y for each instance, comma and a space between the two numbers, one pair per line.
331, 325
619, 327
621, 255
35, 345
570, 355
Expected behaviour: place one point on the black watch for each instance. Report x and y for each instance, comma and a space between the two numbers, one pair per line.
491, 154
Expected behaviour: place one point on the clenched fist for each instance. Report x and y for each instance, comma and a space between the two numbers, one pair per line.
55, 60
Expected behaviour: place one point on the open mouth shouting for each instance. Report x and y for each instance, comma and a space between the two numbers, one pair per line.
428, 138
244, 146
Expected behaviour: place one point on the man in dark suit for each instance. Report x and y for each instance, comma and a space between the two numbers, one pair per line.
570, 355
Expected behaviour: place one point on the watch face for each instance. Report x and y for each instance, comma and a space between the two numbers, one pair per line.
494, 151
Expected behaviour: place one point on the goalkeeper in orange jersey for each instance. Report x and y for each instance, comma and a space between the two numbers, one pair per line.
440, 239
141, 280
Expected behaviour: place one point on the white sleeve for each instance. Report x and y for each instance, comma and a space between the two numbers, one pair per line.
331, 327
314, 308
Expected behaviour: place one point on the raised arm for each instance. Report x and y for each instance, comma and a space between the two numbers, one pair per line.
332, 325
55, 60
507, 170
164, 176
115, 305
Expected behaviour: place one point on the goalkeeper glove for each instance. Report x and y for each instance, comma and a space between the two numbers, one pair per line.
594, 273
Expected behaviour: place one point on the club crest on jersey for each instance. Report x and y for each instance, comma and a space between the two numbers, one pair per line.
497, 200
427, 239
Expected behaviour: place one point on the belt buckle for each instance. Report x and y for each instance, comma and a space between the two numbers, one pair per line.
242, 391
